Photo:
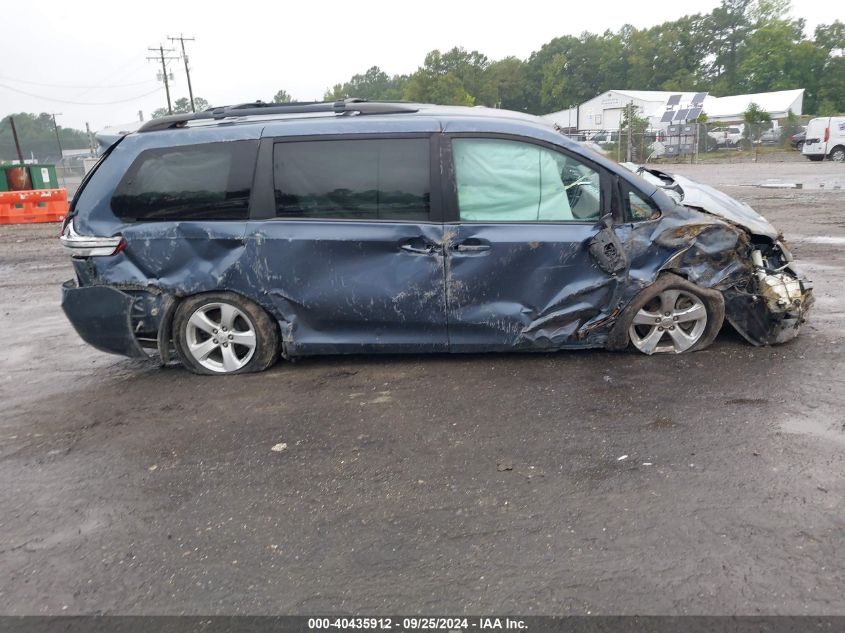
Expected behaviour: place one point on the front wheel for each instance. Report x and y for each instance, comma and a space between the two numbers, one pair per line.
224, 333
674, 316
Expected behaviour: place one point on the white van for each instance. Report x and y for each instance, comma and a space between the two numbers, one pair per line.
825, 138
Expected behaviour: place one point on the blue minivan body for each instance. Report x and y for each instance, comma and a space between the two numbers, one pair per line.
415, 245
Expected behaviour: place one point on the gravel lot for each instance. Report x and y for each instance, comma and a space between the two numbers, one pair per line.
431, 484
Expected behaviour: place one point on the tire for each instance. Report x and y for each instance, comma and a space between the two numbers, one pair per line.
838, 154
672, 316
224, 333
800, 146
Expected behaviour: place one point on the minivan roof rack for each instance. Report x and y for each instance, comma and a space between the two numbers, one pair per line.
341, 106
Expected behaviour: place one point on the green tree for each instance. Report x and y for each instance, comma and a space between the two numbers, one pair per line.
553, 89
831, 93
282, 96
373, 85
756, 121
508, 77
180, 106
777, 57
631, 131
728, 25
790, 127
831, 37
437, 82
471, 69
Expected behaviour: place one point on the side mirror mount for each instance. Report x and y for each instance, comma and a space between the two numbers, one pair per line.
607, 249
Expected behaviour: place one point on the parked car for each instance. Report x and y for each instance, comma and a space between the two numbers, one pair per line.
825, 139
231, 237
605, 136
772, 136
726, 136
797, 139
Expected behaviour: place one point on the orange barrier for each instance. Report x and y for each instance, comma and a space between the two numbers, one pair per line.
37, 205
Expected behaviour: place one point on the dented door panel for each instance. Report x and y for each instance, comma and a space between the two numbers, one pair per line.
341, 287
536, 287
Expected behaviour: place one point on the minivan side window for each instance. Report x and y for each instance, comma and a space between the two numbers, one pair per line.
500, 180
210, 181
365, 179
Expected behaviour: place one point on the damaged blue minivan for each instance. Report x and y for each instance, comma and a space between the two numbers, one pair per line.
234, 236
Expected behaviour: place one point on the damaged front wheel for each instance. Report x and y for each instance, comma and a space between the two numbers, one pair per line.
674, 316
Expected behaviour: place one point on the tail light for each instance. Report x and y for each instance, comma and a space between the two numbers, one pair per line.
88, 246
826, 134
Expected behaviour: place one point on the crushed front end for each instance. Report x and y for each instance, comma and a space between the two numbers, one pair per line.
772, 302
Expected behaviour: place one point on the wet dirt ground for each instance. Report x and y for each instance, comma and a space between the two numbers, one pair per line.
567, 483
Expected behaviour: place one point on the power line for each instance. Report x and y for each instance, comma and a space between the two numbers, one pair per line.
83, 103
164, 61
118, 72
183, 39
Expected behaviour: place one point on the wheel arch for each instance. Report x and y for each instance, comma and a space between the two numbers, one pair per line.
166, 339
618, 339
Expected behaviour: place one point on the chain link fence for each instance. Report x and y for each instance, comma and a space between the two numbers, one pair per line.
693, 142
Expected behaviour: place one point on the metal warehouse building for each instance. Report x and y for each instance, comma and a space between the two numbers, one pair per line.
604, 112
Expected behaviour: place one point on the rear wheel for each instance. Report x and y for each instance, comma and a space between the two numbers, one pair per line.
224, 333
675, 316
838, 154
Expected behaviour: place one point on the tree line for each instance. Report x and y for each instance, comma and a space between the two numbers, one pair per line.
742, 46
37, 137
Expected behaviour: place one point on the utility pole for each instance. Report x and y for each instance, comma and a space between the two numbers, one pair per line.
161, 50
15, 137
182, 39
59, 143
91, 145
56, 130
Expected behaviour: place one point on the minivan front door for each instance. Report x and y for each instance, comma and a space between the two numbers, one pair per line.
347, 244
519, 270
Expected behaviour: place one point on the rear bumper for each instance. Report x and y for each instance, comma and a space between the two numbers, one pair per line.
102, 318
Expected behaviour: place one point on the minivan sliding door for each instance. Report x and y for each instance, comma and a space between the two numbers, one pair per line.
347, 243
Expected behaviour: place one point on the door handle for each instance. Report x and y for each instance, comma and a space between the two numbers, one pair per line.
472, 245
418, 246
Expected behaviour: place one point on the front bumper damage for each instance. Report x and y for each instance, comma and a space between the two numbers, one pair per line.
773, 303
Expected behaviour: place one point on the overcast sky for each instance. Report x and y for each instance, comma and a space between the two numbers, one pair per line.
93, 53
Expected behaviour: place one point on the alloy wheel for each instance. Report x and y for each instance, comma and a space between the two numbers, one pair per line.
220, 337
672, 322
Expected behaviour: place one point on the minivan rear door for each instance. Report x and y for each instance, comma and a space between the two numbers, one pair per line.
818, 133
346, 239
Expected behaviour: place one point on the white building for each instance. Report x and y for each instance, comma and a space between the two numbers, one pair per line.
604, 112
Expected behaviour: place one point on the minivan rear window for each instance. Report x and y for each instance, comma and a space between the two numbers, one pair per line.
210, 181
378, 179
